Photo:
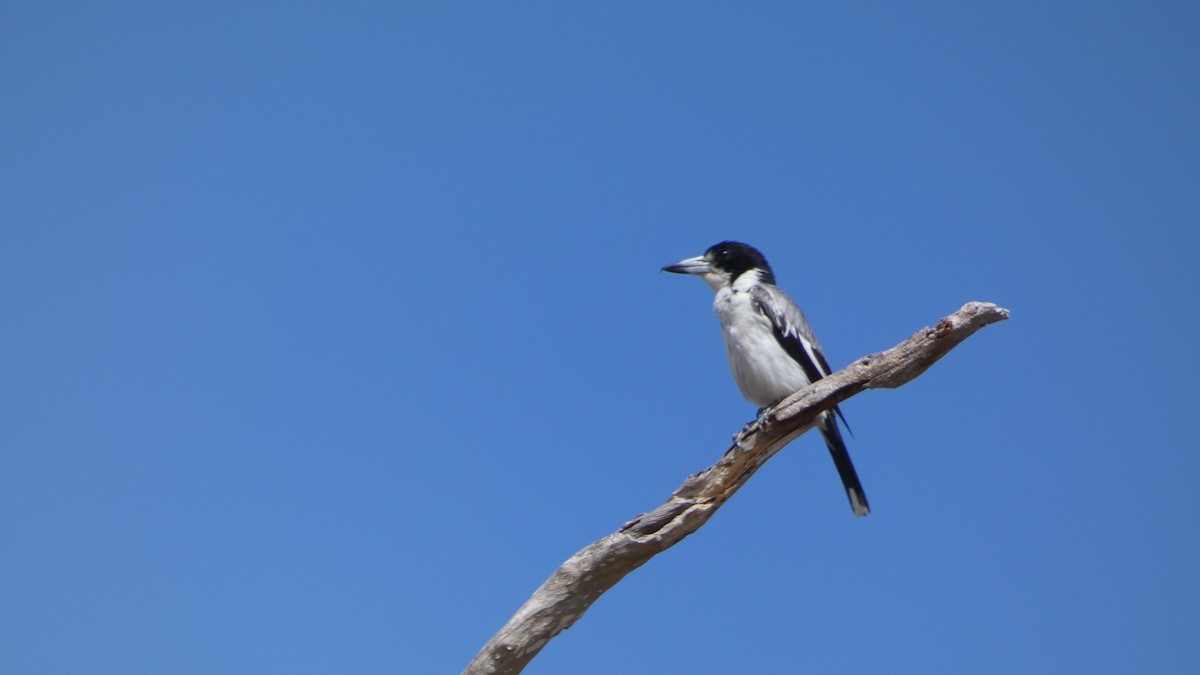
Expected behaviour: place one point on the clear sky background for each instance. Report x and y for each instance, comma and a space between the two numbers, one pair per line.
330, 329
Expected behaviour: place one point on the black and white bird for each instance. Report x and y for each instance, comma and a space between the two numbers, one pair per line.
772, 351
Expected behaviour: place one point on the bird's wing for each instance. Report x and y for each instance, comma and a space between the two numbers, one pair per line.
793, 333
791, 330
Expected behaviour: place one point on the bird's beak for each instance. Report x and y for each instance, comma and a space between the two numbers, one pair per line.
697, 265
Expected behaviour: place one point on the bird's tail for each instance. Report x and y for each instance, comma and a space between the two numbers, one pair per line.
845, 468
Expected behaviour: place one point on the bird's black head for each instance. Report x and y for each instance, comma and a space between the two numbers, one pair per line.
734, 258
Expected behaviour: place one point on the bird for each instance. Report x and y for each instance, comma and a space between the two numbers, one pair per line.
772, 351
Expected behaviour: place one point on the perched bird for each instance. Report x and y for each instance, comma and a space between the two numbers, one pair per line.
772, 351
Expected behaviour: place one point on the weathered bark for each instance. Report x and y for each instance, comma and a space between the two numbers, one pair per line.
574, 586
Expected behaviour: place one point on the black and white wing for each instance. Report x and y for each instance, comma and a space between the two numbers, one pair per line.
791, 330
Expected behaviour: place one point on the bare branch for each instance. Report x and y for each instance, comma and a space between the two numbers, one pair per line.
583, 578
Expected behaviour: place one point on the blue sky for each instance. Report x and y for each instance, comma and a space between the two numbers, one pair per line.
331, 329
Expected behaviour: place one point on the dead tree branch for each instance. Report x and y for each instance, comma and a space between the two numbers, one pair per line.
574, 586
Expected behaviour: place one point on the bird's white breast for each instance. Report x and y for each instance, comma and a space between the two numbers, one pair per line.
764, 372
